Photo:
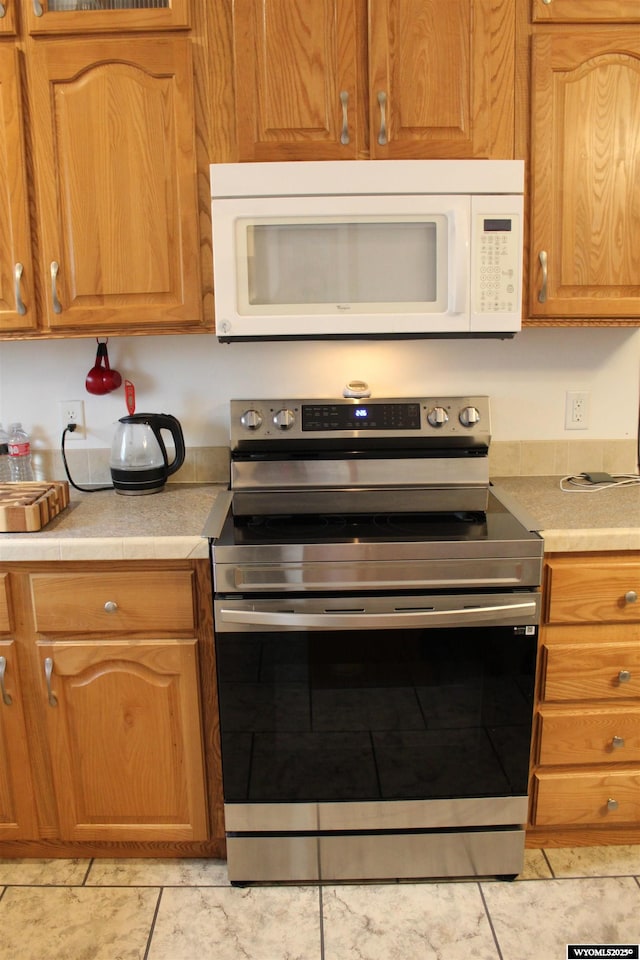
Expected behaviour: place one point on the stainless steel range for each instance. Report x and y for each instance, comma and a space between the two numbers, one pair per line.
376, 611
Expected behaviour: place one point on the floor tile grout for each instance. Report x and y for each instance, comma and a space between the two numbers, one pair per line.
490, 921
153, 924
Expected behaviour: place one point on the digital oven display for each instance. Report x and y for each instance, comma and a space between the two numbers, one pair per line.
361, 416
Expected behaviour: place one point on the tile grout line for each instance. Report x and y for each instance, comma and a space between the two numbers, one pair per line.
153, 923
490, 921
553, 874
86, 876
321, 907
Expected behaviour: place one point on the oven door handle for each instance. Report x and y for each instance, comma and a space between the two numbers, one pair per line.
399, 618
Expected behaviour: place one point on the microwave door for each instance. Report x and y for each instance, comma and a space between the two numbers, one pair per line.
329, 267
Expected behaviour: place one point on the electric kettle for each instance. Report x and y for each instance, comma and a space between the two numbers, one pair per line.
139, 462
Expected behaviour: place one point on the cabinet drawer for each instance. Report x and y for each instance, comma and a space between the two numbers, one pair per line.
597, 735
580, 798
4, 604
593, 591
158, 601
576, 671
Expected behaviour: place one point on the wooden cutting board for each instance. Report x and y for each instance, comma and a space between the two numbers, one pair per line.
28, 506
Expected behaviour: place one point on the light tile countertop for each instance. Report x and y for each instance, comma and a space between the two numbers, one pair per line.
105, 525
168, 525
600, 519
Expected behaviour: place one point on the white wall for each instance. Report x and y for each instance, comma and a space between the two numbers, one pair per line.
193, 377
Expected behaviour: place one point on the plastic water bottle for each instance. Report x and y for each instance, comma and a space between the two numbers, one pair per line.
5, 468
19, 453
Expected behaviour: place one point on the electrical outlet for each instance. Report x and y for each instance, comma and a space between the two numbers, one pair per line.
576, 410
72, 411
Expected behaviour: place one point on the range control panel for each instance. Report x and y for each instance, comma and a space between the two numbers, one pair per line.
312, 419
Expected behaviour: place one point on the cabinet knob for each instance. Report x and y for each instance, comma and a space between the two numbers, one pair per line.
612, 804
111, 606
37, 8
617, 742
3, 10
630, 596
624, 676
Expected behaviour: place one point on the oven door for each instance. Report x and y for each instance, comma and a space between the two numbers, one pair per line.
350, 703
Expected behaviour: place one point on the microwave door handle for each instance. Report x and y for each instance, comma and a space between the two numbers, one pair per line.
458, 259
361, 620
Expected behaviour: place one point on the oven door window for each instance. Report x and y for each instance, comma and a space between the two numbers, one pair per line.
378, 715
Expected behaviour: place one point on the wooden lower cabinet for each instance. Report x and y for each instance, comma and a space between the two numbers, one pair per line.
108, 713
601, 798
123, 731
17, 811
585, 776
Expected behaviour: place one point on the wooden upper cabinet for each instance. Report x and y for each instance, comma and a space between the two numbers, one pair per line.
295, 79
441, 78
95, 16
320, 79
17, 307
585, 175
585, 11
7, 16
116, 183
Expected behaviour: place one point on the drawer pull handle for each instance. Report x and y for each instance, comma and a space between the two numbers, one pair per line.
612, 804
617, 742
111, 606
6, 699
630, 596
624, 676
48, 672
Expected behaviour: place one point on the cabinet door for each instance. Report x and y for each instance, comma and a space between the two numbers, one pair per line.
123, 724
17, 308
92, 16
7, 16
117, 188
295, 76
585, 216
17, 815
585, 11
441, 78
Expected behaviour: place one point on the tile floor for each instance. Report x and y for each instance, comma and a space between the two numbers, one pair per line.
186, 910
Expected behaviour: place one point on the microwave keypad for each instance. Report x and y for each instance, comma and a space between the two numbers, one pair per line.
497, 288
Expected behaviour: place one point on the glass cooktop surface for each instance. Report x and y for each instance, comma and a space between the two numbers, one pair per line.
497, 523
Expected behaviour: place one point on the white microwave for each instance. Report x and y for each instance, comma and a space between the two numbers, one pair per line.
367, 249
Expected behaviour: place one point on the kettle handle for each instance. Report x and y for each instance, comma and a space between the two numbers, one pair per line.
165, 421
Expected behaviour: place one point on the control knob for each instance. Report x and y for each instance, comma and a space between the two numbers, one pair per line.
437, 417
284, 419
251, 419
468, 416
